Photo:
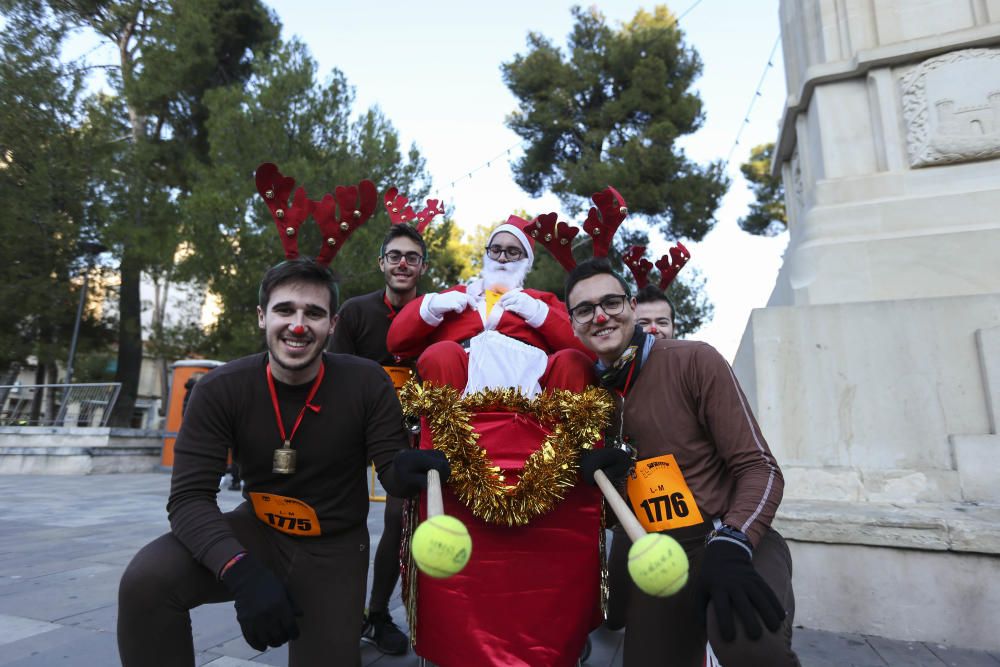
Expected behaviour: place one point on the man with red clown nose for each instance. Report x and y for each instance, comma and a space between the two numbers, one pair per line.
493, 333
302, 424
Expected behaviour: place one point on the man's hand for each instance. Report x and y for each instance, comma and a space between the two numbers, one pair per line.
613, 461
534, 311
729, 581
411, 466
441, 304
264, 608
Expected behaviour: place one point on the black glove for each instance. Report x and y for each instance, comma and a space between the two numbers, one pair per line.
613, 461
264, 608
411, 465
730, 582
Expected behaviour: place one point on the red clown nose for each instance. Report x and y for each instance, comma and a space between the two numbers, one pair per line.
299, 330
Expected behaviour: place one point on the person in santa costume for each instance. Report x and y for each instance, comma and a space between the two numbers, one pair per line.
493, 332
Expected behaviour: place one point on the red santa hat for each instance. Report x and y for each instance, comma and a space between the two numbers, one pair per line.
516, 226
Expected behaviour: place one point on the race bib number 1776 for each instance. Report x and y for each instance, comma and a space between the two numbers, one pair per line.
659, 495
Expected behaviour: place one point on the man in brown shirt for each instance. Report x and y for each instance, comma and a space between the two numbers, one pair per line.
302, 425
704, 475
654, 312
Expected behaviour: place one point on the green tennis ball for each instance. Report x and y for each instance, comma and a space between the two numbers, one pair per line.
658, 565
441, 546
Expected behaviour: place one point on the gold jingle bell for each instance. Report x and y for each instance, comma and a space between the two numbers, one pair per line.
284, 461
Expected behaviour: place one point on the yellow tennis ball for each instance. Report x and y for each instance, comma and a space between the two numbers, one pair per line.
441, 546
658, 565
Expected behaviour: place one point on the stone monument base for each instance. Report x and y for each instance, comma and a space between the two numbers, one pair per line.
883, 416
917, 572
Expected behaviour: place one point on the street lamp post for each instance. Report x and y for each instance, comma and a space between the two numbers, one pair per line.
91, 249
76, 327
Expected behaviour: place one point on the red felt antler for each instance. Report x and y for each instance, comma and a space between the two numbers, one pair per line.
557, 237
670, 265
638, 264
399, 212
357, 204
275, 188
603, 220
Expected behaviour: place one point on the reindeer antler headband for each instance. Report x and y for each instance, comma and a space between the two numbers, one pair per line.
603, 221
399, 211
356, 204
669, 265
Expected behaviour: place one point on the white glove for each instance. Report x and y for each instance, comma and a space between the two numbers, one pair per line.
435, 306
534, 311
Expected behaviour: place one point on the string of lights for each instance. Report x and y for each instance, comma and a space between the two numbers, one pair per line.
753, 101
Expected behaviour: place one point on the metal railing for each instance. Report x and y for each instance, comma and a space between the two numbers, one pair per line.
84, 404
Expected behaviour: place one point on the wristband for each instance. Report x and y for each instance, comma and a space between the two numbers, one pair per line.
229, 563
730, 534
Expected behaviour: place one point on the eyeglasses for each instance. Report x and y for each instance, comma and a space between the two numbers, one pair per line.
395, 257
510, 252
611, 305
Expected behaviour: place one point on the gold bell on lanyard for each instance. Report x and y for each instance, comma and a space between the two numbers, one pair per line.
284, 460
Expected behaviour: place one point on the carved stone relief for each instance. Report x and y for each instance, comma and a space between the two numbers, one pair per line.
951, 106
798, 188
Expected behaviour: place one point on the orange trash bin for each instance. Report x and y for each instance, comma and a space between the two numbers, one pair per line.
180, 373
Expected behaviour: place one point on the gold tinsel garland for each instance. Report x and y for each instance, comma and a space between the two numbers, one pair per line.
575, 422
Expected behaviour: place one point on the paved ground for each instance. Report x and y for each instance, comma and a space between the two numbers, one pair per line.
64, 542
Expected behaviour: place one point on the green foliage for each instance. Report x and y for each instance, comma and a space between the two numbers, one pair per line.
449, 256
767, 216
44, 176
153, 125
609, 111
284, 116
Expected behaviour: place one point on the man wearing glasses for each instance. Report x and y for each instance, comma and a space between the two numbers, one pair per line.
704, 475
493, 332
362, 325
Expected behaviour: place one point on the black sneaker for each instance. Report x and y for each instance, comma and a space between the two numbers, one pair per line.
380, 630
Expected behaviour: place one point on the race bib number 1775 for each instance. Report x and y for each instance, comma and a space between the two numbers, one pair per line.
289, 515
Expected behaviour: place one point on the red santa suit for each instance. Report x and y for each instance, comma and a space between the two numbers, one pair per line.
530, 594
505, 348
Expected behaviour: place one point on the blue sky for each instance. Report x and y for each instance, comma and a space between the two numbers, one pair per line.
434, 69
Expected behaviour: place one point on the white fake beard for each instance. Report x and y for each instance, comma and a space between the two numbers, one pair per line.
504, 277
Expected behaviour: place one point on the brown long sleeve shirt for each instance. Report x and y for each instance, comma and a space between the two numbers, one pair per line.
686, 401
359, 420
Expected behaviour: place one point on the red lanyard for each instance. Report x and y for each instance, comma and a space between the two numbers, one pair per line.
392, 311
287, 440
628, 380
